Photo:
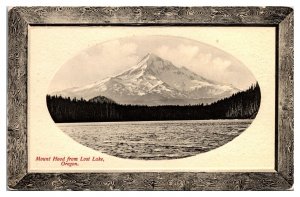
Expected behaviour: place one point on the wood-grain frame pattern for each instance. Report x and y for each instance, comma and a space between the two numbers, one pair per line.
20, 18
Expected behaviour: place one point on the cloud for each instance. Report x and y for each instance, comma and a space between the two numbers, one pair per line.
212, 67
220, 63
101, 59
207, 64
112, 53
96, 63
204, 58
180, 55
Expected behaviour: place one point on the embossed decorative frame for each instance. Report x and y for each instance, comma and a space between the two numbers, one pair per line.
20, 18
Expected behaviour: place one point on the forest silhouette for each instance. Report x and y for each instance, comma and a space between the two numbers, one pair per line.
241, 105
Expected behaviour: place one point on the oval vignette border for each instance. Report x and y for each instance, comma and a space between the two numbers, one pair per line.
163, 45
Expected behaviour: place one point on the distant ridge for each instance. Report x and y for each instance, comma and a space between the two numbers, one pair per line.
101, 99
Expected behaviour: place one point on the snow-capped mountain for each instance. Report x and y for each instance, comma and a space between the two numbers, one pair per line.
154, 81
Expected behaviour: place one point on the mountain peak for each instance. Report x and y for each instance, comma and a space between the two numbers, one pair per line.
152, 61
184, 68
154, 81
150, 57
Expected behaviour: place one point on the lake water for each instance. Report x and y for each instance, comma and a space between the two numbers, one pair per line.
155, 140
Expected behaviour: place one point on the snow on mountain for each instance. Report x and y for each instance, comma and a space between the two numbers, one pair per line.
154, 81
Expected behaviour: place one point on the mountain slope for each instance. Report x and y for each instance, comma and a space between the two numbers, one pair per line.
154, 81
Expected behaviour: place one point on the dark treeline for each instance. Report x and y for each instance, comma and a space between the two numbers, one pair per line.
242, 105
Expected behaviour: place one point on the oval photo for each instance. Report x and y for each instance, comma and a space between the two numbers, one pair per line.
153, 97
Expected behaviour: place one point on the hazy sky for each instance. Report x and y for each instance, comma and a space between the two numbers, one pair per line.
113, 57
